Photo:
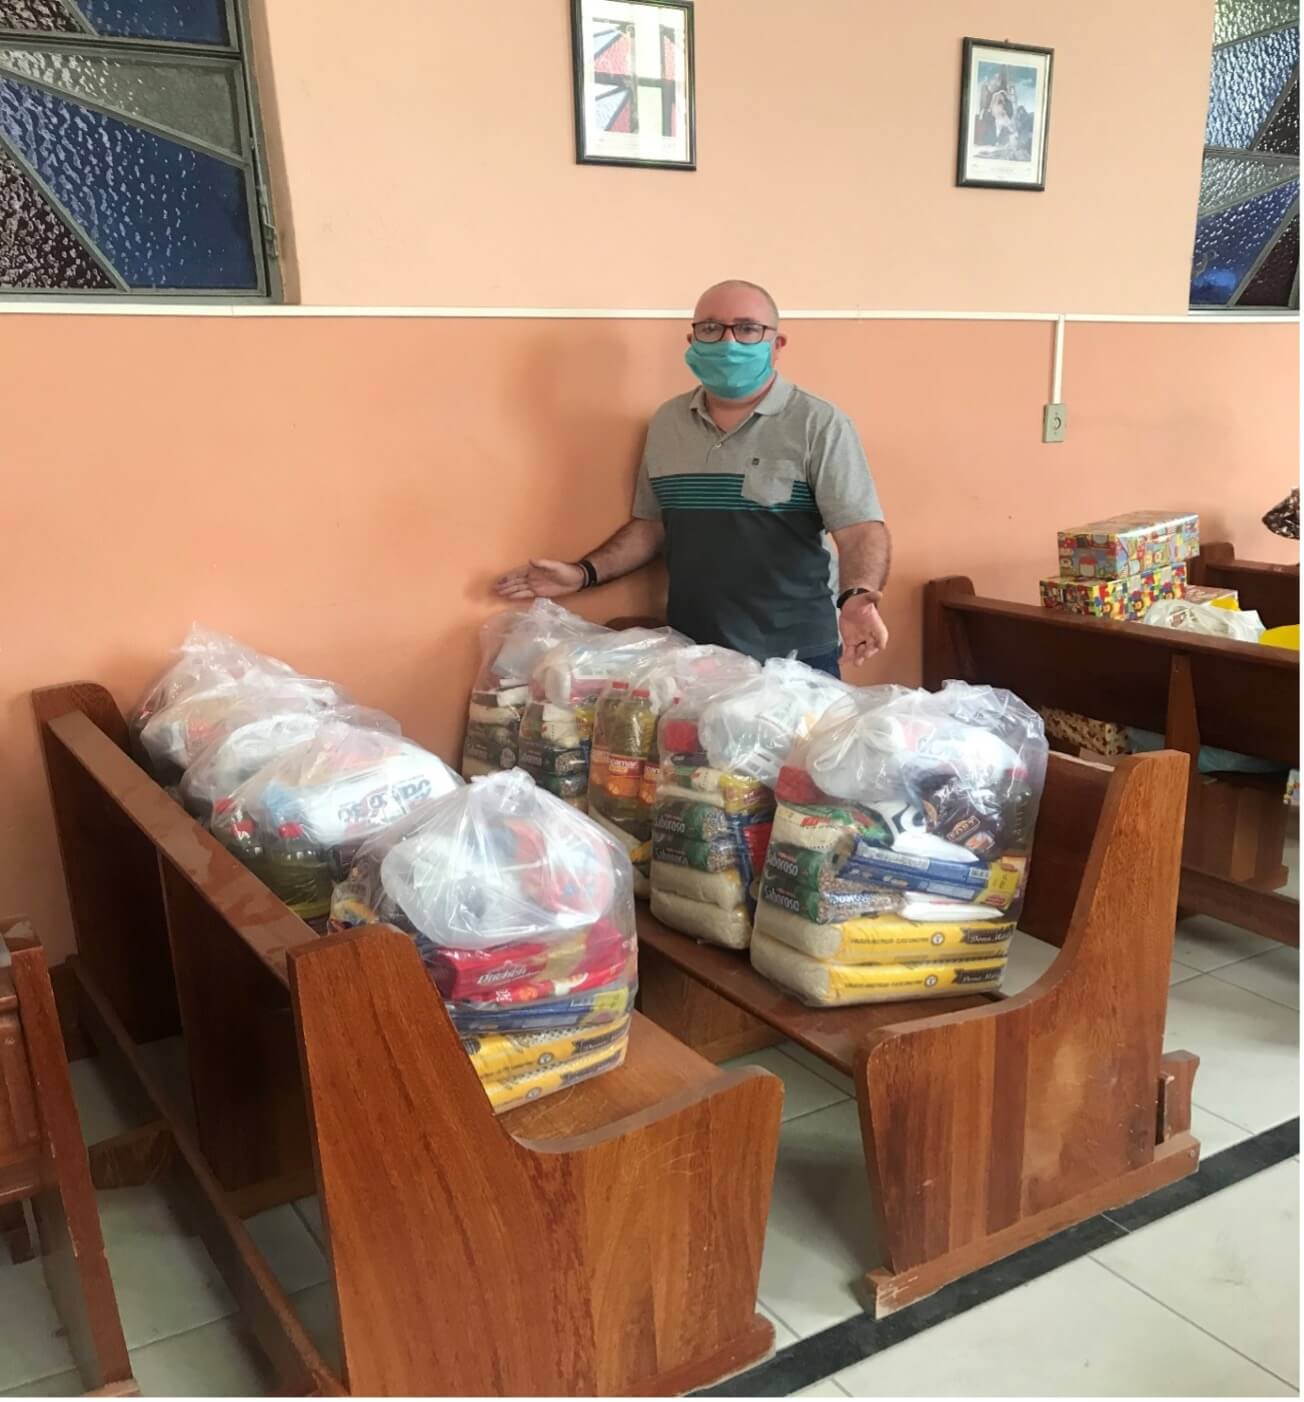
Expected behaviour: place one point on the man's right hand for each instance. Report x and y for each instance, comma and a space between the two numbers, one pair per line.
540, 579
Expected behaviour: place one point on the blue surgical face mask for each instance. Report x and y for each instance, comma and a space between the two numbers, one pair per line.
729, 370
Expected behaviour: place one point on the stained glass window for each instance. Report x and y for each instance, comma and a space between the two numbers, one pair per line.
1247, 232
127, 159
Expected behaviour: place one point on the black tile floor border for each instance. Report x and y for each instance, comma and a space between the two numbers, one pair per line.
813, 1359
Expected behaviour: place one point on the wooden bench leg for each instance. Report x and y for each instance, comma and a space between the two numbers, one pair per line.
64, 1207
15, 1234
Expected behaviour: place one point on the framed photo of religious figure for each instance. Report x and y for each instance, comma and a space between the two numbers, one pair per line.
1004, 114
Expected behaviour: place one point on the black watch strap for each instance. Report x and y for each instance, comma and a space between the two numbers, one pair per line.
851, 593
590, 573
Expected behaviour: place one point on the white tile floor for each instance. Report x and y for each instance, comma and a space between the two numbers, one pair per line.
1204, 1302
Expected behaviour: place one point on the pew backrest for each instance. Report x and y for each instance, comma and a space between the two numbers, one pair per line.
1191, 689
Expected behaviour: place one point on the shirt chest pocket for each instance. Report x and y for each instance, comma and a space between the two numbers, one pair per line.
769, 481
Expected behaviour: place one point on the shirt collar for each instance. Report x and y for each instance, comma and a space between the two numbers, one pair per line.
776, 398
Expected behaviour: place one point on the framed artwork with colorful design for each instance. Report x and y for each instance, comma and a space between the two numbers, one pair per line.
633, 62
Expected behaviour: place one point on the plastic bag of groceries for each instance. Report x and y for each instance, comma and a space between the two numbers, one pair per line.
749, 730
244, 745
298, 821
207, 658
177, 733
899, 853
556, 733
714, 805
522, 911
624, 759
1241, 625
511, 643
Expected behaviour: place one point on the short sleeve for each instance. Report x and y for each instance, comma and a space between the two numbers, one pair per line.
646, 506
840, 476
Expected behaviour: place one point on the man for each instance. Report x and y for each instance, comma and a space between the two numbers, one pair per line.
739, 482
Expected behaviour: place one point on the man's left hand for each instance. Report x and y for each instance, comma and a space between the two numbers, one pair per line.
864, 634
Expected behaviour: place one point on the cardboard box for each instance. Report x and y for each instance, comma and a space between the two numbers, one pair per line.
1211, 594
1127, 598
1129, 544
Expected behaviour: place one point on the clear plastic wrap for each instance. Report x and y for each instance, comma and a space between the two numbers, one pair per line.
522, 910
714, 807
556, 732
1241, 625
900, 847
750, 729
206, 659
624, 759
298, 821
511, 644
244, 746
177, 733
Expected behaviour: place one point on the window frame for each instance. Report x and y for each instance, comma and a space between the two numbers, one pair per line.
262, 223
1231, 307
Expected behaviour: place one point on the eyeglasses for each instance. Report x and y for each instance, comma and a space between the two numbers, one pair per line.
746, 333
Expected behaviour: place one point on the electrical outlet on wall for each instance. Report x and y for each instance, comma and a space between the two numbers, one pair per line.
1053, 423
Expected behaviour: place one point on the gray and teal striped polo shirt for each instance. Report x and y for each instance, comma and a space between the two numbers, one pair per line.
745, 516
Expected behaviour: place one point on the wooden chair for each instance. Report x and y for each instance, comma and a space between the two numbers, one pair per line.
1193, 690
1273, 590
43, 1161
990, 1122
606, 1239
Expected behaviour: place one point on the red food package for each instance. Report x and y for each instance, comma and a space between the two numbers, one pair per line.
679, 737
462, 974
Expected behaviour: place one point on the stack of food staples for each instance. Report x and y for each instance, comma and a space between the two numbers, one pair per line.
523, 911
720, 755
900, 846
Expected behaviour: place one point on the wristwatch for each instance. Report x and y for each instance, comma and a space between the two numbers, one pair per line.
846, 594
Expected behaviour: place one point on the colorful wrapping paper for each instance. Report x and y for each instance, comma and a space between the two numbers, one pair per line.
1126, 598
1128, 544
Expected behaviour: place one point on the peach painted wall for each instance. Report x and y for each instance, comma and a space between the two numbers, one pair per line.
341, 491
424, 155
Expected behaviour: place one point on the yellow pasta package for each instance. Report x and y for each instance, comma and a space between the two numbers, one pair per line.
820, 983
507, 1094
502, 1055
884, 939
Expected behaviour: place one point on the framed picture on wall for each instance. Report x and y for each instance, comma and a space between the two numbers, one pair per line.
1004, 113
633, 68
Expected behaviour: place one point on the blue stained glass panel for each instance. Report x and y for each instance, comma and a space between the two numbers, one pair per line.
164, 215
185, 21
1227, 244
1245, 82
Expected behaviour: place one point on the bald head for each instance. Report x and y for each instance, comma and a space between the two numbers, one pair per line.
737, 300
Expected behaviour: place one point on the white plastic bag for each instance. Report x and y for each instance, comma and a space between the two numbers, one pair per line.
511, 643
298, 821
522, 908
177, 733
207, 659
899, 853
1241, 625
749, 730
624, 759
556, 732
245, 746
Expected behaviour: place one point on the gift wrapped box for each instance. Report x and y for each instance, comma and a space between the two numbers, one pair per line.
1129, 544
1127, 598
1098, 737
